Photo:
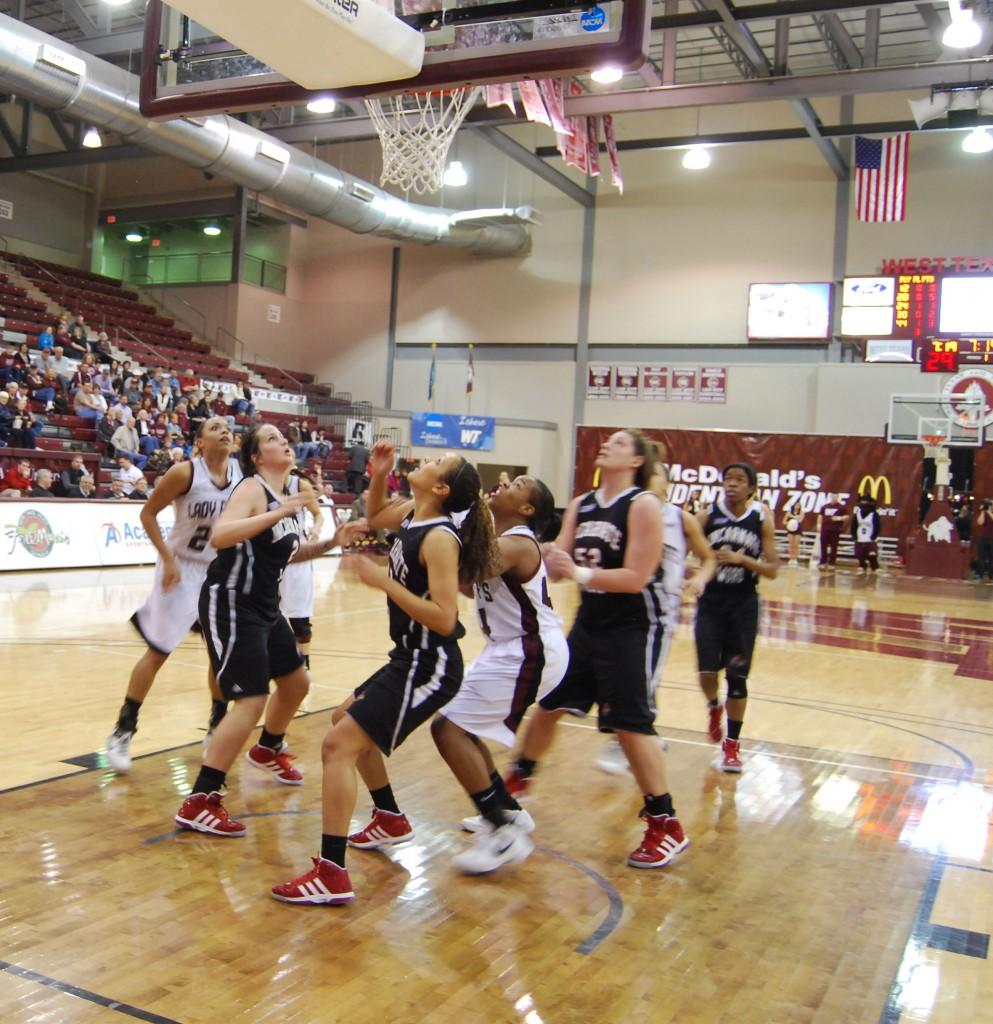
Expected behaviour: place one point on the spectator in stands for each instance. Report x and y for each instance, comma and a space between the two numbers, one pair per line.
132, 391
394, 483
27, 423
104, 383
39, 391
75, 345
241, 400
129, 474
160, 431
46, 340
140, 492
222, 409
160, 462
326, 497
125, 442
23, 361
69, 478
147, 442
116, 491
101, 347
148, 402
188, 384
85, 372
89, 403
358, 460
305, 447
8, 367
16, 481
79, 324
183, 419
42, 485
61, 365
62, 333
359, 507
86, 488
323, 444
199, 413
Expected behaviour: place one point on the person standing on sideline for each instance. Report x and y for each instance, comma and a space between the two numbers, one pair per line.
865, 529
831, 525
741, 533
681, 532
611, 544
793, 524
248, 639
984, 541
525, 657
428, 559
358, 456
198, 491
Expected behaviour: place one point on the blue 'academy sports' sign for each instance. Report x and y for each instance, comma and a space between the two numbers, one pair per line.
441, 430
593, 19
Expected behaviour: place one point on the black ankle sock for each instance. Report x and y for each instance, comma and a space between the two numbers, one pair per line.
384, 799
507, 802
656, 805
333, 849
127, 720
715, 703
270, 739
210, 780
734, 729
306, 661
487, 802
218, 709
526, 767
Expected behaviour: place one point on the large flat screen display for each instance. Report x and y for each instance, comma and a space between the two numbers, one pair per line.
965, 305
787, 311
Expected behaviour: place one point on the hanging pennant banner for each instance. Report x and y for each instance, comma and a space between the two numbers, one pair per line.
626, 383
682, 384
654, 383
713, 384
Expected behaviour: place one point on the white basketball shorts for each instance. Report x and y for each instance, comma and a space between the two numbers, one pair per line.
165, 618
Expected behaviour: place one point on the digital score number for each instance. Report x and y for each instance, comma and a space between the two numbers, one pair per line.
949, 355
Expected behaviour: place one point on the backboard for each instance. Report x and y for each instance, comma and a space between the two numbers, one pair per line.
189, 69
957, 421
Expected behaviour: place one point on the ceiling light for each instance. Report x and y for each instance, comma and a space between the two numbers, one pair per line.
978, 140
212, 229
455, 175
322, 105
115, 3
696, 159
134, 236
963, 33
607, 75
92, 140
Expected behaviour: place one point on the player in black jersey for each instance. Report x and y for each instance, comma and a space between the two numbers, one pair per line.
248, 639
611, 544
741, 532
428, 559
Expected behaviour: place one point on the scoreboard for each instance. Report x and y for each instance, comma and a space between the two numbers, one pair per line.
949, 355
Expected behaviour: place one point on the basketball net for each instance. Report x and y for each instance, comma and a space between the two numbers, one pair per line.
416, 131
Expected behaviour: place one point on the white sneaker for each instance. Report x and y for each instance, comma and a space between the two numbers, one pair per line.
493, 848
612, 759
860, 571
519, 819
793, 563
119, 751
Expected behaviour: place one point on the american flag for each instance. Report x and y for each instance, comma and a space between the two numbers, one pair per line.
881, 177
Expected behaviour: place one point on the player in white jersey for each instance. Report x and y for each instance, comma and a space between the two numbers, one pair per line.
198, 491
296, 589
525, 657
681, 532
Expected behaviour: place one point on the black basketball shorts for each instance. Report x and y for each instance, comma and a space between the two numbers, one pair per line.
725, 631
246, 649
614, 669
406, 692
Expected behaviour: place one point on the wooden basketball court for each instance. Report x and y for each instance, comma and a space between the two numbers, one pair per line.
843, 877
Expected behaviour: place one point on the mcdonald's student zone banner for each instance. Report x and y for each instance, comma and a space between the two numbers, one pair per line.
795, 472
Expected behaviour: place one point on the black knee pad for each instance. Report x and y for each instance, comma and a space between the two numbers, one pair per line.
737, 688
301, 630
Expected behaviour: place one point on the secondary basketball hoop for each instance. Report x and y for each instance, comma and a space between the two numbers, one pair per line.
416, 132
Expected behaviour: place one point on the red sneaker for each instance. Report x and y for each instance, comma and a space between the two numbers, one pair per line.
731, 761
277, 762
204, 812
663, 840
385, 829
517, 784
324, 883
714, 727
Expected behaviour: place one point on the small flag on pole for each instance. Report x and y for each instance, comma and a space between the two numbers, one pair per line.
470, 375
434, 353
881, 178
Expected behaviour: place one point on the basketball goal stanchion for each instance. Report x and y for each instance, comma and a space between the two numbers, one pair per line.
416, 132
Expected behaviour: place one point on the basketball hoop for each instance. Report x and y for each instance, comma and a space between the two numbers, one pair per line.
932, 440
416, 131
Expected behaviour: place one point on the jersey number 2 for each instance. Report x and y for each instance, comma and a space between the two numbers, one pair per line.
201, 535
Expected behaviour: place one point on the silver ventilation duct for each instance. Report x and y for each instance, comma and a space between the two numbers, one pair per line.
60, 77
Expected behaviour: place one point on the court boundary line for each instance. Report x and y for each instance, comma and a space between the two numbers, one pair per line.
85, 994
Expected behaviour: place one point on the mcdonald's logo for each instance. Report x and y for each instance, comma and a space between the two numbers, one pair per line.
873, 485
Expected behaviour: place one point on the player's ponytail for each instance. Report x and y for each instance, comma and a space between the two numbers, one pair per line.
249, 448
480, 554
545, 523
646, 449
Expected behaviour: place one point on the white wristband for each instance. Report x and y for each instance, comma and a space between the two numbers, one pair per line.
582, 575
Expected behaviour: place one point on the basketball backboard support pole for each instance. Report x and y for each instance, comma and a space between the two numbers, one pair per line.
621, 40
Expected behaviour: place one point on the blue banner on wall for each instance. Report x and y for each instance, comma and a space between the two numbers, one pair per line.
440, 430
